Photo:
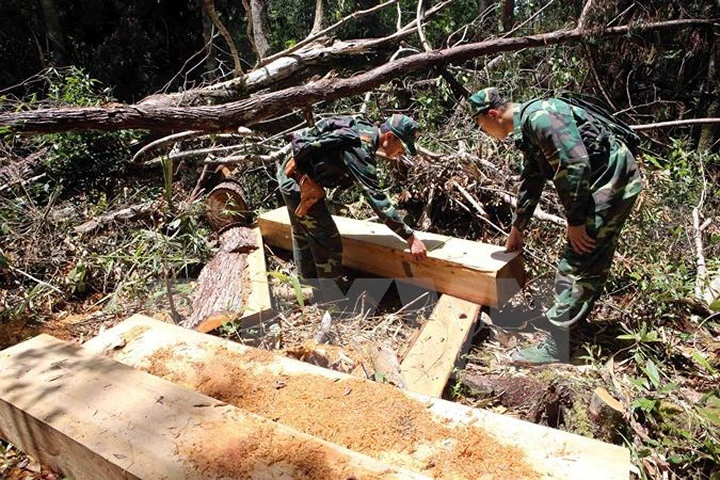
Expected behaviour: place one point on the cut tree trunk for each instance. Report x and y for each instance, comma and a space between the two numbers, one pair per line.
233, 286
607, 415
226, 205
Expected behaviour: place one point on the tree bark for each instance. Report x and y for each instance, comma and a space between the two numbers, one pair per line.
252, 110
508, 15
210, 61
224, 284
258, 26
708, 134
58, 50
319, 22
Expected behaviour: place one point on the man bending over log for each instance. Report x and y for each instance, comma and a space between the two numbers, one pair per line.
587, 157
337, 153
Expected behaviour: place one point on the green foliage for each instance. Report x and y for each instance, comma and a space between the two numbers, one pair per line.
132, 270
87, 161
293, 281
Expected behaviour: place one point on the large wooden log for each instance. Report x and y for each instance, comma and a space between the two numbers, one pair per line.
225, 205
92, 418
428, 364
233, 286
395, 426
473, 271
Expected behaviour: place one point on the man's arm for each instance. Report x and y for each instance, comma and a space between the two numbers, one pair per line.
362, 167
559, 139
532, 182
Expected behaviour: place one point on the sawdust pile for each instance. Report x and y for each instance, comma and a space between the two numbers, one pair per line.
370, 418
217, 451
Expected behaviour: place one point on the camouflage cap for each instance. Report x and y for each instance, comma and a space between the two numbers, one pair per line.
404, 128
484, 100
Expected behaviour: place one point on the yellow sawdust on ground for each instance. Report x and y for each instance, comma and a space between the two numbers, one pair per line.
363, 416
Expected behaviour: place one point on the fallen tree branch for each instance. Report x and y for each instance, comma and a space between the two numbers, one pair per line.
167, 139
134, 212
675, 123
36, 280
20, 182
184, 136
539, 213
470, 199
289, 68
252, 110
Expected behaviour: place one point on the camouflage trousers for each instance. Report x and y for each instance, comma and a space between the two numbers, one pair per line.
581, 278
317, 246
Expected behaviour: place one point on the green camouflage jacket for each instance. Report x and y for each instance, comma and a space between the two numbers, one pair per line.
590, 168
340, 151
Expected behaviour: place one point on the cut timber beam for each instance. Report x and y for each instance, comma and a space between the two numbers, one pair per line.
474, 271
554, 454
428, 364
88, 417
234, 285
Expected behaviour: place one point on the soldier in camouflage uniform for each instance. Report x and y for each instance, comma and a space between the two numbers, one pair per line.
337, 153
597, 180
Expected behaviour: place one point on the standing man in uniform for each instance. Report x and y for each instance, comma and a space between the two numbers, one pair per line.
337, 153
598, 182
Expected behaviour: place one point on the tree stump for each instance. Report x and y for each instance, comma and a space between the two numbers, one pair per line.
607, 415
226, 205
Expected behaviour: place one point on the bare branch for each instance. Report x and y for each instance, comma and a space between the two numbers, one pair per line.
473, 201
314, 36
701, 277
539, 213
176, 137
584, 14
419, 16
675, 123
210, 8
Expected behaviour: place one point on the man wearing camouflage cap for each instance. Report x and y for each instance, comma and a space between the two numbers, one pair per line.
337, 153
597, 180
